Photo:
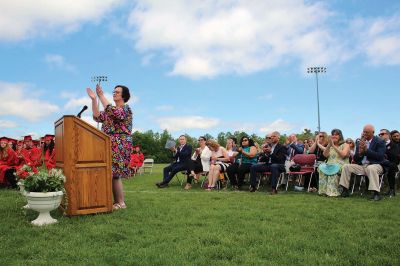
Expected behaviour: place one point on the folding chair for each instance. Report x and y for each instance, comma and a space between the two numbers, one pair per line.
147, 164
181, 180
262, 176
307, 164
363, 180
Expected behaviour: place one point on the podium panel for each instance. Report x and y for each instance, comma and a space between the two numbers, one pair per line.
84, 154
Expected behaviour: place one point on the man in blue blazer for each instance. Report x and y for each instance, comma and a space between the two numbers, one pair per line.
182, 156
369, 156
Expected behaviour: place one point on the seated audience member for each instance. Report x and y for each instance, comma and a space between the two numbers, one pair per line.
220, 161
395, 136
7, 163
293, 146
318, 147
231, 148
311, 142
247, 156
200, 162
30, 155
12, 143
369, 155
182, 157
337, 153
306, 146
137, 159
392, 160
352, 147
273, 160
49, 152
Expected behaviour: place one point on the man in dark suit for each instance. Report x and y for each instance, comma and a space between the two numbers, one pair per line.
369, 156
392, 160
182, 157
274, 157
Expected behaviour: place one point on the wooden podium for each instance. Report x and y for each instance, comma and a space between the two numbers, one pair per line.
84, 154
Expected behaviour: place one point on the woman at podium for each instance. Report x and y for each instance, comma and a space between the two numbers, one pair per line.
117, 123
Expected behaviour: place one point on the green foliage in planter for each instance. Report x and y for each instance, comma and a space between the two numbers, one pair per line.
44, 181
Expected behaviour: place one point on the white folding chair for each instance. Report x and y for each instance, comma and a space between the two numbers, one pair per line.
147, 164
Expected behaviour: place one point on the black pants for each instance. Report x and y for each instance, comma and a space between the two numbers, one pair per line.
275, 169
171, 170
314, 180
391, 176
194, 166
237, 172
10, 177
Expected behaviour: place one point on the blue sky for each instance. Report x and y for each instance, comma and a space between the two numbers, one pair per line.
201, 67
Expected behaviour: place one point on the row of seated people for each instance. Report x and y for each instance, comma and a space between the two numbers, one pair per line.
13, 157
371, 157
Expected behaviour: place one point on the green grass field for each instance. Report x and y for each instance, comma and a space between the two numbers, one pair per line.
177, 227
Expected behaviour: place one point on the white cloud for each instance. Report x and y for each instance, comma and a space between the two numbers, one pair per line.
278, 125
58, 61
209, 38
186, 122
76, 103
89, 119
380, 39
21, 102
7, 124
242, 126
24, 19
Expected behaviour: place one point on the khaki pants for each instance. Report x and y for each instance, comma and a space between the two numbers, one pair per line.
372, 171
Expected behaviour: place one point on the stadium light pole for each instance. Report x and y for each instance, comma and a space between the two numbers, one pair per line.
98, 80
317, 70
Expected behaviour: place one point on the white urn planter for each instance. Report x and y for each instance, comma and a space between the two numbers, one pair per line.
44, 203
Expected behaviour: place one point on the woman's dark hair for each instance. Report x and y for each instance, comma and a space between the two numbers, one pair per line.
125, 92
251, 142
49, 147
203, 138
338, 132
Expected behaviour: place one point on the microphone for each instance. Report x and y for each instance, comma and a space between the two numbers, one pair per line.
83, 110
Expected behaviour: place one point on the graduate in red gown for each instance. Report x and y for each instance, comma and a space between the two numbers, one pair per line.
12, 143
49, 152
30, 155
20, 147
7, 163
137, 159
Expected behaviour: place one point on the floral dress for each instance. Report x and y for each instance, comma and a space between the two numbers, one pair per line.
329, 184
117, 123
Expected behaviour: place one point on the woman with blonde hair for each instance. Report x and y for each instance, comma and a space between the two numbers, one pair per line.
219, 162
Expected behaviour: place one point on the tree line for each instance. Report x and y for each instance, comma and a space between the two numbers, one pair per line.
153, 143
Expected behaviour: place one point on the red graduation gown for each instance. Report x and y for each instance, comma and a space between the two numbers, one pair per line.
50, 159
7, 163
32, 157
